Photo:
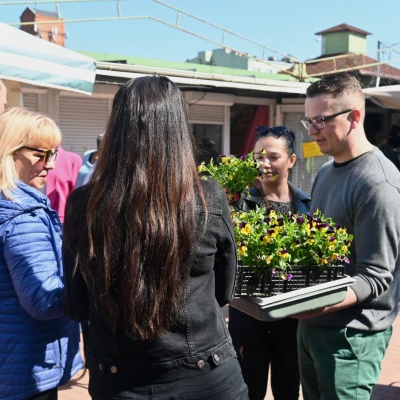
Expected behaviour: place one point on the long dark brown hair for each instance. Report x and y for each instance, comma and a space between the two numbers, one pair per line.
140, 217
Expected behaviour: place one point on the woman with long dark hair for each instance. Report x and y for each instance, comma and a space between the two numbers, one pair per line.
150, 258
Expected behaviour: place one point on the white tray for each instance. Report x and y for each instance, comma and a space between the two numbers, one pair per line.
294, 302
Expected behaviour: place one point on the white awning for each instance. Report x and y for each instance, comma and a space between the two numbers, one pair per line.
26, 58
195, 78
385, 96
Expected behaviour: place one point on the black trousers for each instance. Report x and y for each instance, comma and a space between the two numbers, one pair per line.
260, 345
51, 394
225, 382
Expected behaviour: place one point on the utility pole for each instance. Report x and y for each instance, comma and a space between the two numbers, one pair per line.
378, 67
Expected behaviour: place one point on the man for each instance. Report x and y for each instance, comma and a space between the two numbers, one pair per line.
341, 346
89, 159
3, 97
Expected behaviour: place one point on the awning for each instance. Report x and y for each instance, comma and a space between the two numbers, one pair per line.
195, 78
385, 96
26, 58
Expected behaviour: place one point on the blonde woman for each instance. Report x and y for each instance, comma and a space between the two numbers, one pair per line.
39, 346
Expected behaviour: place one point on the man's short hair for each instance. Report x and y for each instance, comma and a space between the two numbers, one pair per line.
339, 87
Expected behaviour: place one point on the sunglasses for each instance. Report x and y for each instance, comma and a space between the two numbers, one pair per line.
319, 122
276, 132
49, 155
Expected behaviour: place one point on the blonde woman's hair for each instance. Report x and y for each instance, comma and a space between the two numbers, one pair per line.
20, 127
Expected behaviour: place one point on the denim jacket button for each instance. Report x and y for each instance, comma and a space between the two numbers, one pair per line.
113, 369
216, 357
200, 364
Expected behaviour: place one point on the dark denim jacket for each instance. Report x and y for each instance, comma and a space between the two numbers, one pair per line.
200, 340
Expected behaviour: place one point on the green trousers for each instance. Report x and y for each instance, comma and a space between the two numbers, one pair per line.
339, 363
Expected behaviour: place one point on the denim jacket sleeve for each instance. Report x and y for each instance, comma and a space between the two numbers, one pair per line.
226, 258
75, 292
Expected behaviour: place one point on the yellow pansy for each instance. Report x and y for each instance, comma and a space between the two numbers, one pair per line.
275, 233
242, 250
332, 245
283, 254
267, 238
246, 230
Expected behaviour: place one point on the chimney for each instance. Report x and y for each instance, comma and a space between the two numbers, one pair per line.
48, 29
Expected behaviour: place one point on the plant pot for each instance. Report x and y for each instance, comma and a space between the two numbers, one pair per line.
294, 302
267, 297
251, 282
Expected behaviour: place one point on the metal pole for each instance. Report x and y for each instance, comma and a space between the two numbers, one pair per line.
378, 67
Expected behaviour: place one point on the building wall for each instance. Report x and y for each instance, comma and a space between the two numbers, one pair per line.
343, 42
357, 44
231, 59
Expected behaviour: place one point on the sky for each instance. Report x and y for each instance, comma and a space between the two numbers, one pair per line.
284, 27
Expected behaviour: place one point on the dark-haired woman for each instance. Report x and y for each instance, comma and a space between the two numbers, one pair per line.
263, 345
150, 258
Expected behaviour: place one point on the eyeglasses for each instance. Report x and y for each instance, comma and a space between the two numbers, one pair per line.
276, 132
49, 155
319, 122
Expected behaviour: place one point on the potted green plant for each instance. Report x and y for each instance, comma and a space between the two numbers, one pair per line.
235, 174
282, 252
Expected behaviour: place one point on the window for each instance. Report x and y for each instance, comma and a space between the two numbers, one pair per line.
209, 141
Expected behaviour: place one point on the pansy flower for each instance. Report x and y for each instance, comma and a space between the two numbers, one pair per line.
276, 242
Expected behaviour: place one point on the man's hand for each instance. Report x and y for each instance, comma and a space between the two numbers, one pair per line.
349, 301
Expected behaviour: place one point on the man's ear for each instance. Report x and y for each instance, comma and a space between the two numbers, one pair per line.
355, 118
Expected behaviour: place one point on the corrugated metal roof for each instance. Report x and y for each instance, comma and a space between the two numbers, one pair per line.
352, 62
192, 67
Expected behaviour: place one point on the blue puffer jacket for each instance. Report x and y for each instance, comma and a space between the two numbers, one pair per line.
39, 346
